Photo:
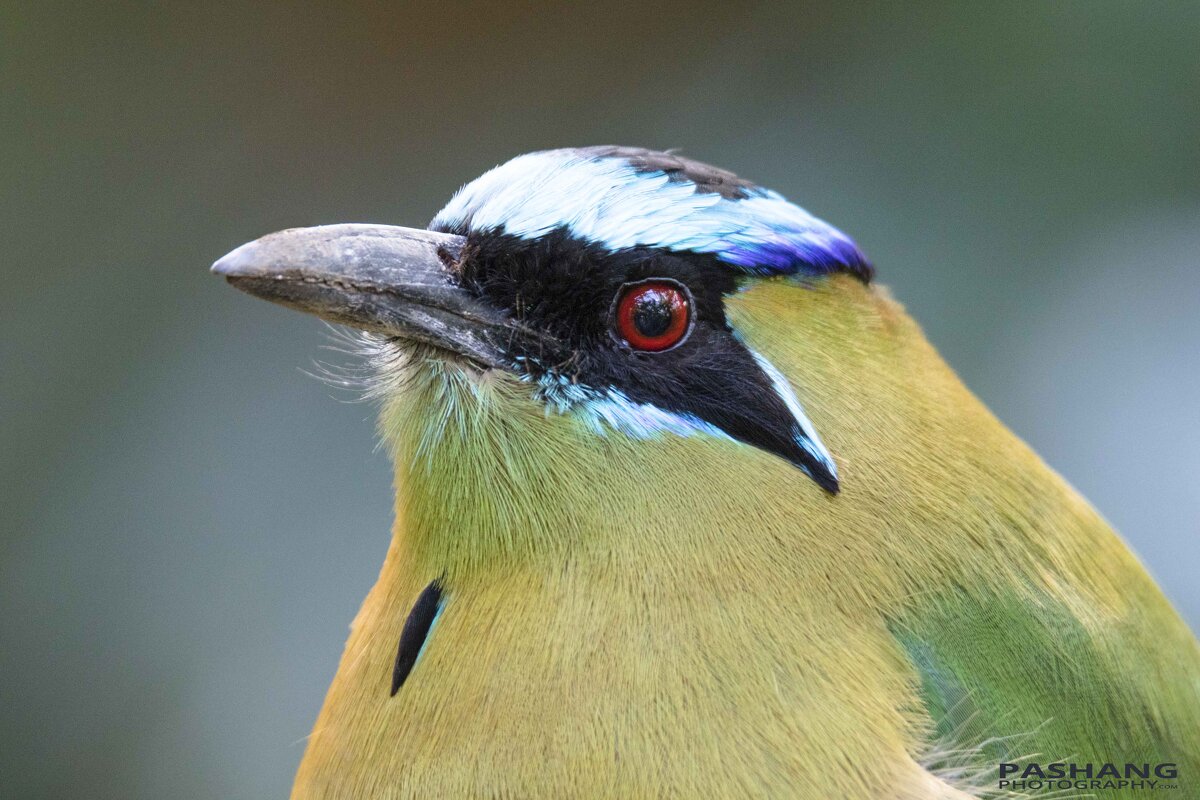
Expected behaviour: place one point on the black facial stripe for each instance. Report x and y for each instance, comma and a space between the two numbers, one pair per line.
566, 287
416, 631
715, 378
706, 177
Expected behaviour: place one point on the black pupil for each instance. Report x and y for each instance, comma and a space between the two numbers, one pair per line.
652, 313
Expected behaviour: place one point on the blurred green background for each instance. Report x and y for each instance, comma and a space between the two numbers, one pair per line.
189, 522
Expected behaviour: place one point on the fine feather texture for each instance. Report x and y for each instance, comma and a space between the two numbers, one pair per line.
692, 617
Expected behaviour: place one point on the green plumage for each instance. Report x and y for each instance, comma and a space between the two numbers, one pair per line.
694, 617
652, 576
1006, 679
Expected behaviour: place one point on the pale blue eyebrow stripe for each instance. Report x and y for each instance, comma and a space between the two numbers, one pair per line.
607, 201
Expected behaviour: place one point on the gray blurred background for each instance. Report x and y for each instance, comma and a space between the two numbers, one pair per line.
189, 522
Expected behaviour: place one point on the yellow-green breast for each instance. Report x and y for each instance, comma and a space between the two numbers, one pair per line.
693, 617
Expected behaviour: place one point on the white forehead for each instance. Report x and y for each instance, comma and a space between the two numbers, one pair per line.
606, 200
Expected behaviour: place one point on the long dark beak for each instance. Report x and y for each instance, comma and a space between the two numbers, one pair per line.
381, 278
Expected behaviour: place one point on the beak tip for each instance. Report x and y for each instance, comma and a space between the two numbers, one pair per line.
237, 263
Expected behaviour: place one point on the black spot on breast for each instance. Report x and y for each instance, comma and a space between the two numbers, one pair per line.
416, 630
706, 177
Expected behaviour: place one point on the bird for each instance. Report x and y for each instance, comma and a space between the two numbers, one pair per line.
687, 506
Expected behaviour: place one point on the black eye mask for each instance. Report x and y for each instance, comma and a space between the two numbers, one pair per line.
567, 289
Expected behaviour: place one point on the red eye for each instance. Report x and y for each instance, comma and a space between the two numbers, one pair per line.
653, 315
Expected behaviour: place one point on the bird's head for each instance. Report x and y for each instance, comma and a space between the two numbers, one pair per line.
594, 284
